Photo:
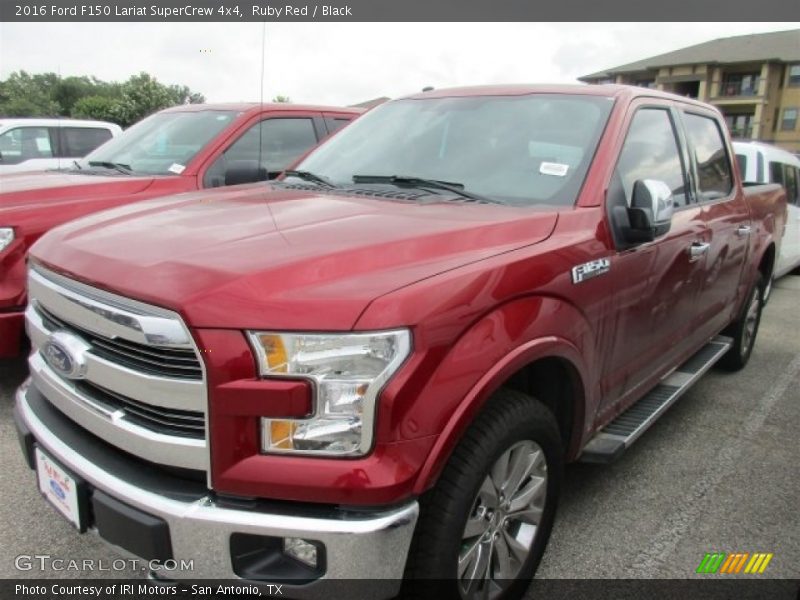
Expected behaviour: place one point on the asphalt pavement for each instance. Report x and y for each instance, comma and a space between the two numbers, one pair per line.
719, 472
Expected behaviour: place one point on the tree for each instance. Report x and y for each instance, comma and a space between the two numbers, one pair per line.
101, 108
48, 95
25, 95
282, 99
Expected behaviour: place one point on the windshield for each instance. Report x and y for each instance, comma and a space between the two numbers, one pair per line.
162, 144
521, 150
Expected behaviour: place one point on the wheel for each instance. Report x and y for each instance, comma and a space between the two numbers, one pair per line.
483, 528
745, 329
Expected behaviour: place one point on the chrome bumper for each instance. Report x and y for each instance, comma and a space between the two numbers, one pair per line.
373, 546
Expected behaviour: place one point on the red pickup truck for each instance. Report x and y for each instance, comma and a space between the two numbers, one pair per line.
176, 150
377, 366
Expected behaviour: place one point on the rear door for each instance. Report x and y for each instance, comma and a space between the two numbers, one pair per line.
655, 284
726, 215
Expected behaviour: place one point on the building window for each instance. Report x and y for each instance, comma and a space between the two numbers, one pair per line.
794, 75
740, 84
789, 120
645, 83
740, 126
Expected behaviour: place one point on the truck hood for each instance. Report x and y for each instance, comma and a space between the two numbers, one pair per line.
38, 189
263, 257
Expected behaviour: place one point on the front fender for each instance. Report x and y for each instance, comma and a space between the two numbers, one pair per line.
443, 399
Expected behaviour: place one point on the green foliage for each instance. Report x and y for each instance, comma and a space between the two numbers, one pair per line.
48, 95
280, 98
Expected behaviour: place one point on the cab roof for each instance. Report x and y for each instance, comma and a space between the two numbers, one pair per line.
258, 107
627, 92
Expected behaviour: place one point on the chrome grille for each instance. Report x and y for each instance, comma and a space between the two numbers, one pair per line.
139, 384
169, 421
167, 362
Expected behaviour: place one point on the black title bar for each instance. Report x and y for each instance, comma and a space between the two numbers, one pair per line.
397, 10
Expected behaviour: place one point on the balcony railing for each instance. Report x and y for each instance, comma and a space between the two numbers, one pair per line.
746, 87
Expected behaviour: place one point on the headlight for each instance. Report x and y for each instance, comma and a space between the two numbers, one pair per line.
6, 237
347, 371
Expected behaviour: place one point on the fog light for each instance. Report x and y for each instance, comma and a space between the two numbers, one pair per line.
301, 550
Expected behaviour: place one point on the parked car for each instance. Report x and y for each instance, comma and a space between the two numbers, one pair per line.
40, 144
763, 163
179, 149
377, 366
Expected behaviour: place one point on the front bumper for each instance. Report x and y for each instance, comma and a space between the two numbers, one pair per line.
357, 544
12, 325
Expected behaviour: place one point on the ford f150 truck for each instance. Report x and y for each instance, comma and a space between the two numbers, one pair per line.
377, 366
179, 149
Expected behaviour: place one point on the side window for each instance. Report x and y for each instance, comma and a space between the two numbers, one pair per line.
790, 175
775, 172
651, 151
77, 142
713, 167
277, 143
24, 143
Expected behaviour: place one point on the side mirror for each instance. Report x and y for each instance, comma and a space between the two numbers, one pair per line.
244, 171
650, 213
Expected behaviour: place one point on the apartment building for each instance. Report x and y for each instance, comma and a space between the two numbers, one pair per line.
753, 79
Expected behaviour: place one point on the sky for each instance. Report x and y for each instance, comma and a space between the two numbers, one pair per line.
341, 64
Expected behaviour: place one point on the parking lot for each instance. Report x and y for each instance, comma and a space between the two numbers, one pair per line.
719, 472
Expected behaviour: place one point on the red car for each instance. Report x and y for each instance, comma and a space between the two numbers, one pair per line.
176, 150
376, 367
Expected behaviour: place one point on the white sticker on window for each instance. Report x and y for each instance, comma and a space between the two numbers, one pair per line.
176, 168
557, 169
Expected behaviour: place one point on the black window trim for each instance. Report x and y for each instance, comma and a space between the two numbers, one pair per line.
697, 112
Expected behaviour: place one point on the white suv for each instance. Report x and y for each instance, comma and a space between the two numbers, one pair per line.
39, 144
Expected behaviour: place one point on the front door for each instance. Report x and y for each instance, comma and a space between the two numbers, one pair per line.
655, 284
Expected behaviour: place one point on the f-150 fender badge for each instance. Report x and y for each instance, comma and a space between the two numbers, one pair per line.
590, 269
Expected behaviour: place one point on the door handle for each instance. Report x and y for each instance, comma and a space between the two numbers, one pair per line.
743, 230
697, 250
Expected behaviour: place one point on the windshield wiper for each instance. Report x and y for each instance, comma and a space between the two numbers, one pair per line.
309, 176
421, 182
122, 168
77, 165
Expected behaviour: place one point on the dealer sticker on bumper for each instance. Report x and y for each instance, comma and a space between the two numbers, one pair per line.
58, 487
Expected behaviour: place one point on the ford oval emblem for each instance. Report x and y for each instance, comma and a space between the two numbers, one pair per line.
64, 353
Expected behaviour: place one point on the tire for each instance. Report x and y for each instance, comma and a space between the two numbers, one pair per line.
767, 291
745, 329
515, 427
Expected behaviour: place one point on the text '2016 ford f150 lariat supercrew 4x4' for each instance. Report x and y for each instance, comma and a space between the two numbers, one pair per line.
377, 366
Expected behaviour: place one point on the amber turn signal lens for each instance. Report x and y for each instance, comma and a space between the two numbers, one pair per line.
275, 352
280, 434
